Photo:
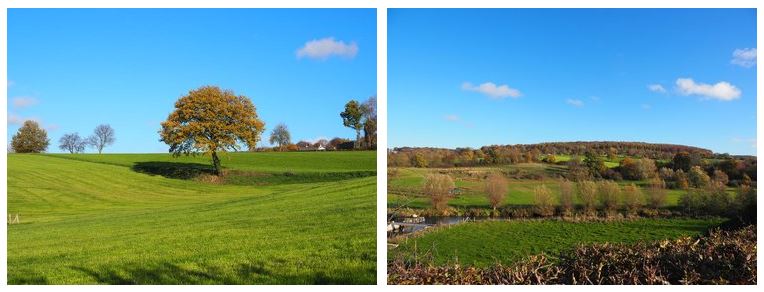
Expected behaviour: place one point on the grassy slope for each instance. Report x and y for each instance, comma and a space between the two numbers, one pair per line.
86, 222
485, 243
520, 190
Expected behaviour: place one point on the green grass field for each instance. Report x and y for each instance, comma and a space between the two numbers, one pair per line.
485, 243
520, 191
100, 219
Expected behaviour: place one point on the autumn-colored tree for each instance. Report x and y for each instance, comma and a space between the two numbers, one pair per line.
542, 199
211, 120
72, 143
495, 189
438, 187
352, 118
682, 181
280, 135
567, 193
632, 198
720, 178
698, 177
103, 136
30, 138
587, 193
656, 192
609, 193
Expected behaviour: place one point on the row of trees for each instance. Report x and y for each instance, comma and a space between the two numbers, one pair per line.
30, 138
508, 154
102, 136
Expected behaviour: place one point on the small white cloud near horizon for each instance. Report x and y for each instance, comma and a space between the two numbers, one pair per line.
575, 102
324, 48
452, 118
723, 91
14, 119
492, 90
750, 141
744, 57
24, 101
656, 88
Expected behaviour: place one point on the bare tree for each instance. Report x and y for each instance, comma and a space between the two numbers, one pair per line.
495, 189
542, 199
587, 193
280, 135
103, 136
632, 198
609, 193
72, 143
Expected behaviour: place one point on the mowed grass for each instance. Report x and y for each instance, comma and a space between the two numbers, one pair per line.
520, 191
486, 243
95, 219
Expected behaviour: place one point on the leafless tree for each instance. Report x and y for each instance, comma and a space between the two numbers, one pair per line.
103, 136
495, 189
72, 143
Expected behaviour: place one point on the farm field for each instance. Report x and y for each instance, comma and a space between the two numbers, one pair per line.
297, 218
482, 244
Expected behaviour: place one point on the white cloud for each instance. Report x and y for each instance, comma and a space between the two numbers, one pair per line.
452, 118
24, 101
324, 48
749, 141
656, 88
723, 90
52, 127
575, 102
744, 57
646, 106
14, 119
491, 90
10, 83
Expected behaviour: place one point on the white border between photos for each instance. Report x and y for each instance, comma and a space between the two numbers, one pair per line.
381, 6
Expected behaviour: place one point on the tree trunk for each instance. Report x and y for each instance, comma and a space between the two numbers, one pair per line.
357, 138
215, 163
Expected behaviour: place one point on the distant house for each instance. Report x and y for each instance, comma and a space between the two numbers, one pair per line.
320, 148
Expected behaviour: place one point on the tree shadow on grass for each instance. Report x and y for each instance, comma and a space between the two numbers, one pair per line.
172, 169
173, 274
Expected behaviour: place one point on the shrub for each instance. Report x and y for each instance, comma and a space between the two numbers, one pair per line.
495, 189
745, 204
609, 192
543, 201
438, 187
632, 198
566, 196
587, 193
711, 200
656, 193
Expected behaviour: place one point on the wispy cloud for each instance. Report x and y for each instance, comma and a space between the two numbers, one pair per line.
11, 83
14, 119
451, 118
749, 141
327, 47
646, 106
744, 57
575, 102
723, 90
492, 90
656, 88
24, 101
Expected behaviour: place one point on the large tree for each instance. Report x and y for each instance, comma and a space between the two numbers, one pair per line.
30, 139
72, 143
211, 120
280, 135
352, 117
103, 136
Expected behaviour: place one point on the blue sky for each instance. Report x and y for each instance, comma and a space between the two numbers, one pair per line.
474, 77
73, 69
